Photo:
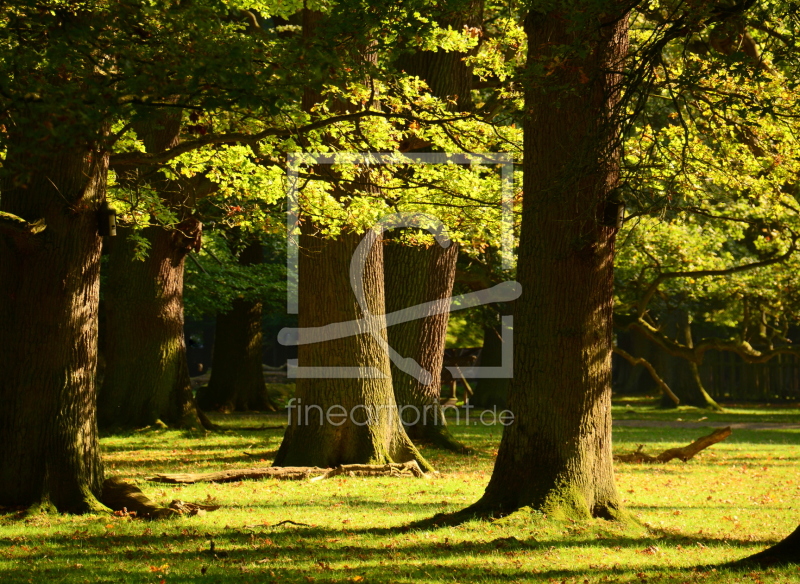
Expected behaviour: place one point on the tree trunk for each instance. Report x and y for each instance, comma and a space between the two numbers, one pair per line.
237, 377
446, 72
784, 552
691, 392
491, 392
146, 376
414, 275
328, 421
556, 456
49, 285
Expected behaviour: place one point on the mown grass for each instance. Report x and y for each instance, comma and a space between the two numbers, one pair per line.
648, 408
733, 500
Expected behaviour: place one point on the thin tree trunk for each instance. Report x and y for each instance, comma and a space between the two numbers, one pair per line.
237, 377
337, 421
147, 375
414, 275
556, 456
49, 285
491, 392
691, 393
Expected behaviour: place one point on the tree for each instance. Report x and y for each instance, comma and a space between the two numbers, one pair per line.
557, 454
237, 376
415, 275
340, 420
146, 375
72, 77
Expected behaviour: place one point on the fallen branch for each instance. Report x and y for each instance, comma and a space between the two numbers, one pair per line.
285, 473
685, 453
294, 473
121, 496
392, 469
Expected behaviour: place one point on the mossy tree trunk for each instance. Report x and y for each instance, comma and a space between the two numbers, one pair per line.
49, 294
556, 456
342, 420
237, 376
414, 275
147, 375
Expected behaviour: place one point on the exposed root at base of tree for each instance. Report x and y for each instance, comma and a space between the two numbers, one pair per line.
129, 499
295, 473
685, 453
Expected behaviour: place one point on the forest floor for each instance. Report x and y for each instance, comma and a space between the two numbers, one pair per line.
732, 500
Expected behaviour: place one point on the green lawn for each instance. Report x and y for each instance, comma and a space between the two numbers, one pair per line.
647, 408
734, 499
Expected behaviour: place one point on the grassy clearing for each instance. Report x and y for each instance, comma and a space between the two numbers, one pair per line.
647, 408
734, 499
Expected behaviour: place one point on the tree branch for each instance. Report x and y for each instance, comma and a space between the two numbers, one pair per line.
136, 158
647, 365
651, 290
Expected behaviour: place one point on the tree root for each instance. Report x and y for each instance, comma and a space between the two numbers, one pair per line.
294, 473
685, 453
127, 498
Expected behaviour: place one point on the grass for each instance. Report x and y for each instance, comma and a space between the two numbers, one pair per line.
647, 408
733, 500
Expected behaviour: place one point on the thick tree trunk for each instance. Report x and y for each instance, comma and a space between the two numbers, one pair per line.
147, 376
237, 377
49, 292
446, 72
414, 275
556, 456
334, 420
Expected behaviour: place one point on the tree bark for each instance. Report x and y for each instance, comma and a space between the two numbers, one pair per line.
556, 456
414, 275
348, 435
446, 72
786, 551
49, 293
237, 377
147, 375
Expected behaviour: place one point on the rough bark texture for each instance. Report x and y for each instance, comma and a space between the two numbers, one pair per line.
414, 275
446, 72
237, 378
147, 376
49, 293
347, 436
146, 373
556, 456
